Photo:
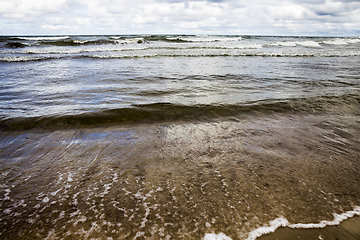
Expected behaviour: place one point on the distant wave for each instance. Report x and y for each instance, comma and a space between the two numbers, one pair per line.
342, 41
44, 38
26, 58
204, 39
68, 41
133, 55
220, 54
296, 43
168, 112
78, 42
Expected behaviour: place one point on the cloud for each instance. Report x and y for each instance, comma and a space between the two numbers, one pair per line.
275, 17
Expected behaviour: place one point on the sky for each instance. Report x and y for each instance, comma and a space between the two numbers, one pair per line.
234, 17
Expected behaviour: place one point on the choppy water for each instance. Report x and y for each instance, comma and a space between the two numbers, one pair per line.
159, 137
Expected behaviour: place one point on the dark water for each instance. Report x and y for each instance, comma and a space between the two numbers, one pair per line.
159, 137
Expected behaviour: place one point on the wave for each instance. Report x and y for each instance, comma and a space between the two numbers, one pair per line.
283, 222
169, 112
283, 44
316, 44
309, 44
313, 44
26, 58
204, 38
67, 41
92, 42
78, 42
44, 38
132, 53
222, 54
72, 51
107, 48
342, 41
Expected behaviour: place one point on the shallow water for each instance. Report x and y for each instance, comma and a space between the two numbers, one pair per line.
179, 180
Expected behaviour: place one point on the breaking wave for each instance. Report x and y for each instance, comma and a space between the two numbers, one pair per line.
44, 38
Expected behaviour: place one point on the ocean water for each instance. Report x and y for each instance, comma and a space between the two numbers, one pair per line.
177, 136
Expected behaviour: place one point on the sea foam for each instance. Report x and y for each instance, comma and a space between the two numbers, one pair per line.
44, 38
213, 236
341, 41
283, 222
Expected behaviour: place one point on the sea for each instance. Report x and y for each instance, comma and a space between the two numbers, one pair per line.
179, 137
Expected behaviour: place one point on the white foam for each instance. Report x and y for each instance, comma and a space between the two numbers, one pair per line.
294, 44
284, 44
283, 222
205, 38
336, 42
213, 236
6, 195
356, 40
247, 46
54, 193
308, 44
78, 212
159, 189
44, 38
275, 224
80, 41
338, 218
7, 211
70, 179
341, 41
82, 49
107, 187
80, 219
22, 59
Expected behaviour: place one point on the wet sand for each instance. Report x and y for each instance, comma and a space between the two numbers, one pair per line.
181, 180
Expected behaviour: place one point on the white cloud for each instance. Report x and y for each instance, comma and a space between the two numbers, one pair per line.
294, 17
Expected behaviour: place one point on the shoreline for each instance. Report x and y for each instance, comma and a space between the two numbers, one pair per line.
348, 229
345, 226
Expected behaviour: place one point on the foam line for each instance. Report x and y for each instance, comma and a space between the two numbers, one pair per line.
283, 222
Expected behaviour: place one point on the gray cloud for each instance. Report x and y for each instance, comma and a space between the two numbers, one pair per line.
275, 17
